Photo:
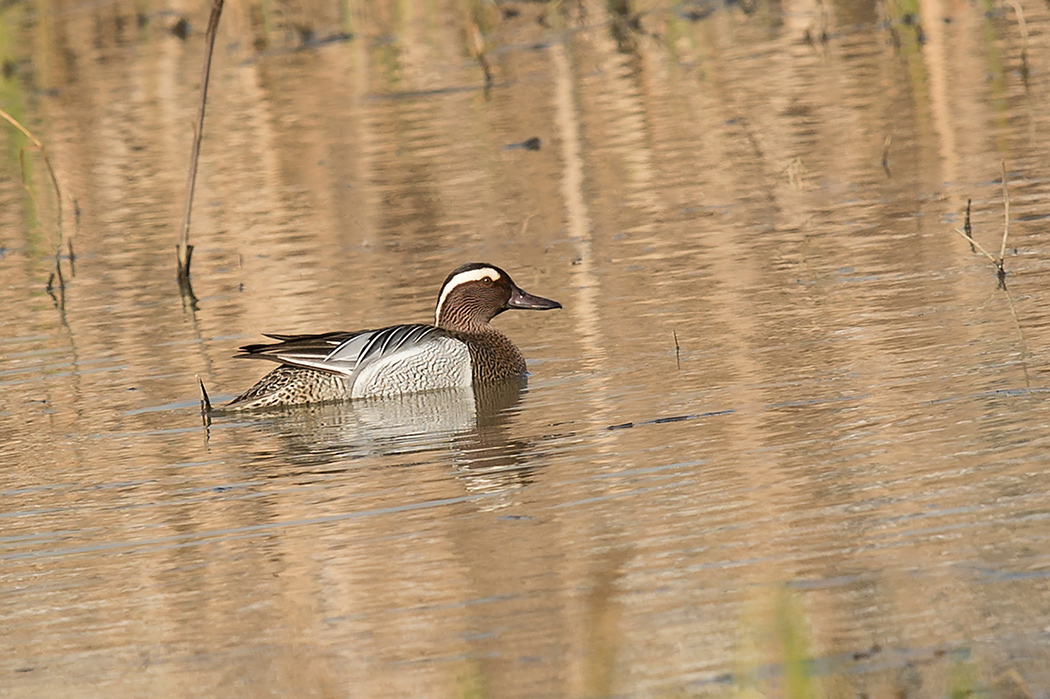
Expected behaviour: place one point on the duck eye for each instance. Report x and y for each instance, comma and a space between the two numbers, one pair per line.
487, 281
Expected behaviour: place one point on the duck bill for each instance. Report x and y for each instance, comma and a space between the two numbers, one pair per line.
525, 300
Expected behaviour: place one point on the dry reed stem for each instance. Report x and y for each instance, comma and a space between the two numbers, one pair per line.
184, 249
47, 162
999, 262
205, 401
206, 411
1023, 26
477, 47
980, 248
967, 227
39, 146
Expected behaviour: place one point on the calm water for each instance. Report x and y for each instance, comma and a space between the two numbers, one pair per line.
785, 437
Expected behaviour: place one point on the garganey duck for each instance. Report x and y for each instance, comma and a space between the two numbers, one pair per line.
460, 349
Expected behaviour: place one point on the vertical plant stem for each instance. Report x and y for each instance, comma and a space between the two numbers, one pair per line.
1023, 26
69, 241
47, 162
185, 250
1006, 214
37, 145
477, 47
967, 228
205, 402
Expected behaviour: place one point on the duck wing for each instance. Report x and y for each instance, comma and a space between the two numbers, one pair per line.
341, 352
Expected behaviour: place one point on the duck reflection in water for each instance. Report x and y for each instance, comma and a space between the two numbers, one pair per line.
471, 424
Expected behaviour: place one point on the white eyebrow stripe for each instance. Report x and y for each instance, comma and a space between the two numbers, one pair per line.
471, 275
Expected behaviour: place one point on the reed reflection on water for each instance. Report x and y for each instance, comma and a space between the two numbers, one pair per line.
786, 437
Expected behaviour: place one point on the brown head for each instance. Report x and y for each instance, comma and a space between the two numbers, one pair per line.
476, 293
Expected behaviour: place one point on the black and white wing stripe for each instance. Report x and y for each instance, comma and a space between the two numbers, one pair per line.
340, 352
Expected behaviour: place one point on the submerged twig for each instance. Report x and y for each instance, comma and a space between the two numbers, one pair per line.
184, 249
673, 418
886, 154
677, 350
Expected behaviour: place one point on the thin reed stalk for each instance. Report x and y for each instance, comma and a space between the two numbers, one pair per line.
477, 47
967, 227
967, 232
1023, 26
47, 162
999, 262
60, 299
205, 402
184, 249
1006, 214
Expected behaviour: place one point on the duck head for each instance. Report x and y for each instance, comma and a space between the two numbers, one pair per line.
477, 292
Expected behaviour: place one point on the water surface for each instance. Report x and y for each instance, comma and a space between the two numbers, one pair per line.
786, 435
